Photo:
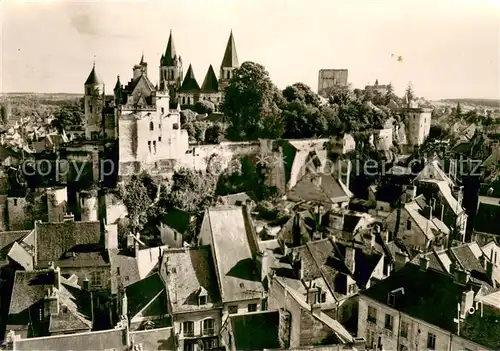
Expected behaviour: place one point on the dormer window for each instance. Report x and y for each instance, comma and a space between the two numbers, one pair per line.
202, 300
151, 126
202, 296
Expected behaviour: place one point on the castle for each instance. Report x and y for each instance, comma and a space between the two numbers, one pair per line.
145, 119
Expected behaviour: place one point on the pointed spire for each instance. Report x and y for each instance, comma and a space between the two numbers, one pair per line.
190, 83
376, 81
142, 58
93, 78
210, 84
118, 85
230, 57
170, 53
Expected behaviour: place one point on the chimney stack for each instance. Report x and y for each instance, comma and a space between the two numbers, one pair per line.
262, 263
51, 302
124, 304
424, 263
57, 278
86, 284
490, 271
350, 256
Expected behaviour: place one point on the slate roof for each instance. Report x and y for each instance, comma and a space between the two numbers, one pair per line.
445, 190
230, 58
154, 339
295, 231
93, 78
210, 83
433, 297
321, 188
188, 272
190, 84
97, 340
7, 240
177, 219
232, 246
143, 292
246, 327
54, 239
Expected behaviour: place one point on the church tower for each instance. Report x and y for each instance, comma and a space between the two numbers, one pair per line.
229, 62
94, 102
171, 73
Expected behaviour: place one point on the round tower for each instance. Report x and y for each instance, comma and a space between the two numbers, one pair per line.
93, 100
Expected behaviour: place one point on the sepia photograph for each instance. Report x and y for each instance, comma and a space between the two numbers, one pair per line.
250, 175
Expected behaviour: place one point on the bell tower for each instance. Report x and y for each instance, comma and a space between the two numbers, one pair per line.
171, 74
229, 62
94, 102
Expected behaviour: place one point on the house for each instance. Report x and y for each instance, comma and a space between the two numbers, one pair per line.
487, 216
231, 235
413, 224
153, 339
297, 231
174, 227
193, 296
145, 304
43, 303
124, 268
321, 190
421, 308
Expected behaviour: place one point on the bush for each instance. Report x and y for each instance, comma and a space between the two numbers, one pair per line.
214, 134
204, 106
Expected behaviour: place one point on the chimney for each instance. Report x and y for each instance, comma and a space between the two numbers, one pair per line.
51, 302
111, 236
262, 263
466, 303
124, 304
311, 295
490, 271
461, 276
424, 263
86, 284
385, 236
410, 193
57, 278
297, 265
457, 192
372, 240
350, 256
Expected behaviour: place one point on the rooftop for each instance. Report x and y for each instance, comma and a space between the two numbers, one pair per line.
322, 188
142, 294
246, 327
189, 272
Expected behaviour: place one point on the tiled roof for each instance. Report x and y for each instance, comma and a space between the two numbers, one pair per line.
7, 239
54, 239
295, 232
85, 259
467, 256
189, 270
190, 83
29, 287
322, 188
210, 83
143, 292
113, 339
433, 297
124, 268
256, 331
177, 219
445, 190
233, 254
154, 339
230, 57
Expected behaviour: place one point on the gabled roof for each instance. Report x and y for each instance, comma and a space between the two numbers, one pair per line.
142, 293
55, 239
189, 83
230, 57
189, 272
210, 83
319, 188
124, 268
7, 240
233, 248
445, 190
93, 78
170, 52
295, 232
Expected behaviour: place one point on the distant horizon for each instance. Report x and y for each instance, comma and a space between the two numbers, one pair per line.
451, 52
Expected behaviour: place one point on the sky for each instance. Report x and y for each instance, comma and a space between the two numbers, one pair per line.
449, 48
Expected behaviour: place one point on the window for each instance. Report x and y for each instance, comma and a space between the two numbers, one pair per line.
372, 314
159, 125
320, 297
404, 329
175, 126
149, 146
89, 91
159, 139
263, 305
495, 261
208, 327
202, 300
208, 344
389, 321
162, 110
154, 146
232, 309
352, 288
431, 341
171, 75
90, 108
189, 100
370, 339
408, 224
252, 307
183, 100
15, 202
188, 347
188, 328
151, 126
96, 279
228, 74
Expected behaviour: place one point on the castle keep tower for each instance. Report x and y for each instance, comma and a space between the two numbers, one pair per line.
229, 62
171, 73
94, 102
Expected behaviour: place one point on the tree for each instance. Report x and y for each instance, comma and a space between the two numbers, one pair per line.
339, 94
187, 116
253, 103
196, 130
410, 94
68, 114
301, 92
204, 106
214, 134
458, 111
389, 94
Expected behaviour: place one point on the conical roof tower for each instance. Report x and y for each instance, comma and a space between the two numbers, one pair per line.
230, 57
190, 83
210, 84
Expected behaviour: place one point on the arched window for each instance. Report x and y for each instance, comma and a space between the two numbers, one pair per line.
171, 75
151, 126
228, 74
189, 100
183, 100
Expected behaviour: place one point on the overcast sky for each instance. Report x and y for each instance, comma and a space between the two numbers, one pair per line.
450, 48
